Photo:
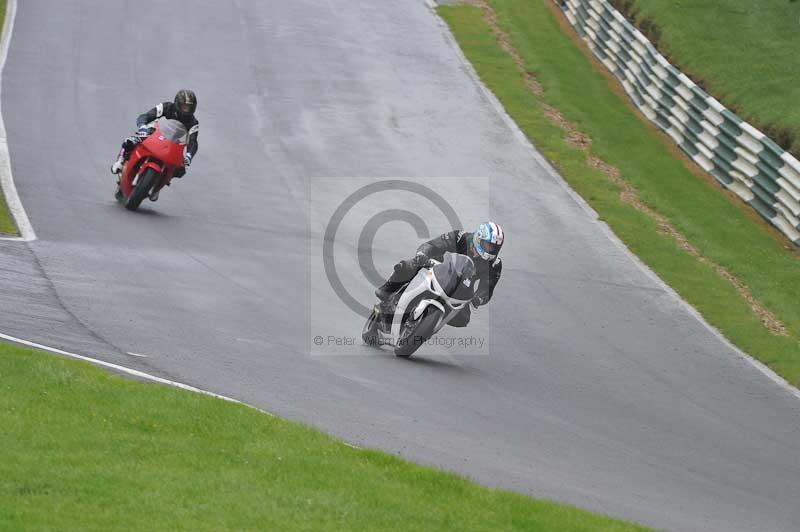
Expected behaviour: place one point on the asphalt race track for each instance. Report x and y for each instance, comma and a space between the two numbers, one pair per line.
596, 386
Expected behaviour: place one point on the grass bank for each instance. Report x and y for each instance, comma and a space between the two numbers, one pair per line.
87, 450
7, 225
740, 274
743, 52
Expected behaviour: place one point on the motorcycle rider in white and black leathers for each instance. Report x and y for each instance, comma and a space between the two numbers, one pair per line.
482, 246
182, 108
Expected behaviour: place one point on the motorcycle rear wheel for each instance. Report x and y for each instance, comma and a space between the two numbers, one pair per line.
142, 190
419, 333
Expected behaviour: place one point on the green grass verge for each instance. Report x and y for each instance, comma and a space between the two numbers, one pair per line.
720, 228
7, 225
744, 52
86, 450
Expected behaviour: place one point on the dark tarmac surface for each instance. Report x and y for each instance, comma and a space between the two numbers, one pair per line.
595, 386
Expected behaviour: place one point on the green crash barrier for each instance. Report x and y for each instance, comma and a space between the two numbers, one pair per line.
740, 157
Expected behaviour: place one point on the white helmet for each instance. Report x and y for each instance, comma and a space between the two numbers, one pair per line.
487, 240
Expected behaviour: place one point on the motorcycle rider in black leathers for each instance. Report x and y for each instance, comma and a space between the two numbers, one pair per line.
482, 247
182, 108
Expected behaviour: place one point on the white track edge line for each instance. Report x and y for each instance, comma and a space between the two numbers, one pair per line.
24, 226
146, 376
129, 371
545, 164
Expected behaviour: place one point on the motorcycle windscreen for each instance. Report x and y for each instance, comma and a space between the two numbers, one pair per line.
173, 130
451, 273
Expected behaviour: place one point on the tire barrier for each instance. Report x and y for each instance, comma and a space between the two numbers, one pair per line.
740, 157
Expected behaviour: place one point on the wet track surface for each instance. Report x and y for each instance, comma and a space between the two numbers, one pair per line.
596, 386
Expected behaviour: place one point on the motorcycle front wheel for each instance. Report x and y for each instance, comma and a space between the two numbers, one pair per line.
413, 335
142, 190
370, 332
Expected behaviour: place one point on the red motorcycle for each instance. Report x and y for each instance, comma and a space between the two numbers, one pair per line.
152, 163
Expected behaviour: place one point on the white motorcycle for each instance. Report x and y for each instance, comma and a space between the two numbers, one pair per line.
413, 314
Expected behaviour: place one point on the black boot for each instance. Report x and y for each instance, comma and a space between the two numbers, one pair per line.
404, 271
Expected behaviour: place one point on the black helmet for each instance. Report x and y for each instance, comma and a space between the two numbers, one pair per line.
185, 103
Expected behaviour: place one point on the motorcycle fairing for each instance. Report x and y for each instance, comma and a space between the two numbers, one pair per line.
162, 151
425, 282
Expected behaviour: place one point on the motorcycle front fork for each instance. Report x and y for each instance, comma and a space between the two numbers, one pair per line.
384, 314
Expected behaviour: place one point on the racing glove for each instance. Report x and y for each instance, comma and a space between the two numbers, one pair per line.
478, 300
187, 159
144, 131
421, 260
